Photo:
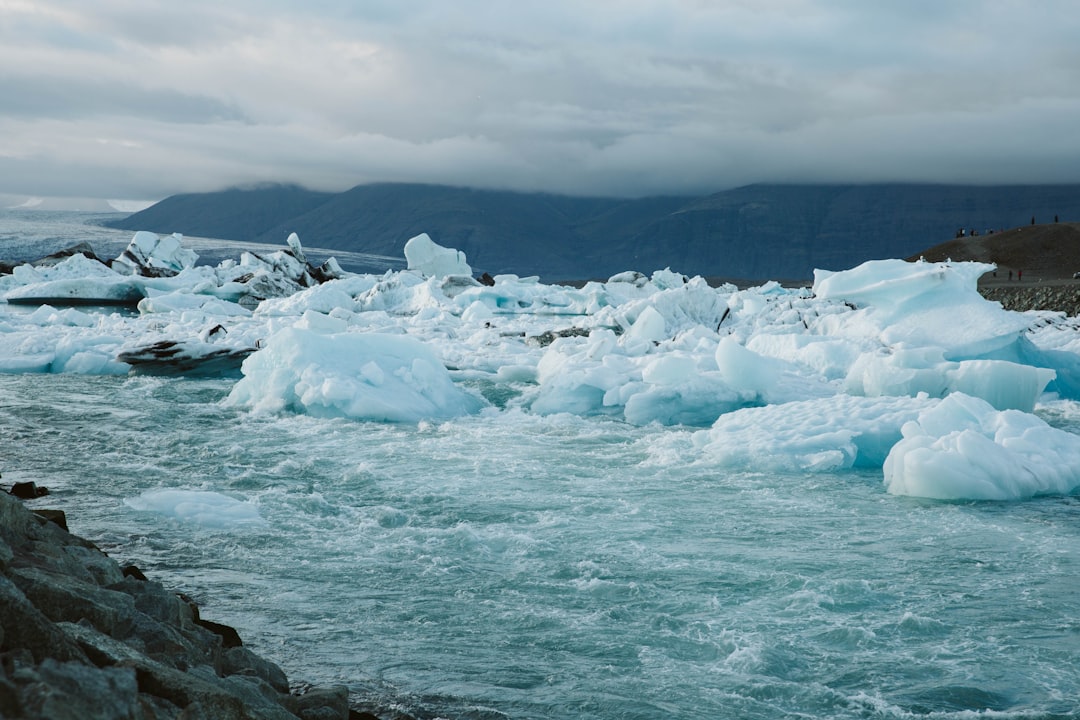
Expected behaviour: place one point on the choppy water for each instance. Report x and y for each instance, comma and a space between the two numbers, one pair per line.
508, 565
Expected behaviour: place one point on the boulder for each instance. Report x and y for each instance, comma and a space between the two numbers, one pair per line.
28, 490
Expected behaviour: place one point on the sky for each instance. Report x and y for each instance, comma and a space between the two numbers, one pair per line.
136, 100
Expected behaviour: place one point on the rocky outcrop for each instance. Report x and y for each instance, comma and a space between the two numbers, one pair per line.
1059, 298
80, 638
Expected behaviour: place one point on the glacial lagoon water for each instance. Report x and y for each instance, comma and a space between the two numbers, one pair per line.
511, 565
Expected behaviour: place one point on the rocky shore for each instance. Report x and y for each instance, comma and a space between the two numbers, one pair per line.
1058, 297
83, 639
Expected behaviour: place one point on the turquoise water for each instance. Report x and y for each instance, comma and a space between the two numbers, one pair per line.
508, 565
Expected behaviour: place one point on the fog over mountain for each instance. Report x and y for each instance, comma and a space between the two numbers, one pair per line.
756, 232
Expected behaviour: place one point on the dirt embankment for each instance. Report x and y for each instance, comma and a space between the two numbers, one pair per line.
1035, 265
1031, 253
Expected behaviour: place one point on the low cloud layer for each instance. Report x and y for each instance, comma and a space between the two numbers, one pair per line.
124, 99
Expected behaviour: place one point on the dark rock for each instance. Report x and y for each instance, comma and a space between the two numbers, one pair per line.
1060, 298
360, 715
6, 556
325, 703
199, 698
259, 698
79, 638
242, 661
101, 649
132, 571
229, 637
92, 564
10, 707
54, 516
28, 490
27, 628
75, 691
60, 597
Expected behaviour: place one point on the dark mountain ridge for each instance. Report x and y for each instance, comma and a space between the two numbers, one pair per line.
234, 214
755, 232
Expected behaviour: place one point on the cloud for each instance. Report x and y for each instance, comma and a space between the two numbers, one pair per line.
142, 99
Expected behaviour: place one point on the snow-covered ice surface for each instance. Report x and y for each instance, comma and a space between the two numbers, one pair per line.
638, 498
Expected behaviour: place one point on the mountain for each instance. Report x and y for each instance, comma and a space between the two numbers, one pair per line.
233, 214
755, 232
499, 232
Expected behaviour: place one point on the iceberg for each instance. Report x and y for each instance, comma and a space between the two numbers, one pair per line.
364, 376
202, 507
819, 435
921, 304
152, 256
75, 280
171, 357
433, 260
964, 449
1004, 384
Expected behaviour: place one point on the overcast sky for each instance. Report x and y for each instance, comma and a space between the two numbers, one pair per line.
140, 99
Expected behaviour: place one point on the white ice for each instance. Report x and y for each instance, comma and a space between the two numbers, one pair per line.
203, 507
365, 376
147, 250
433, 260
844, 374
822, 435
964, 449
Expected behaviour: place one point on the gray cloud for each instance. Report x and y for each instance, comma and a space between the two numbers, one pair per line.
67, 98
145, 99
